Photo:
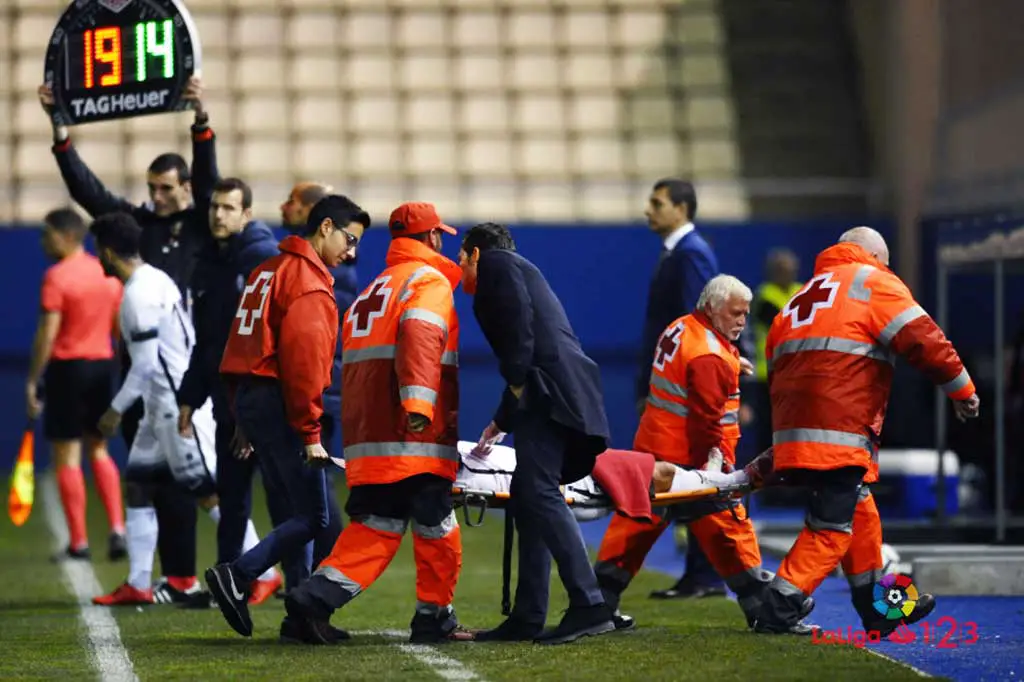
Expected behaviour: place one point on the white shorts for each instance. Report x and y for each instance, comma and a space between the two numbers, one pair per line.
158, 445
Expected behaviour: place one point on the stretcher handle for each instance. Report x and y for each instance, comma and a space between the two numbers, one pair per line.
477, 501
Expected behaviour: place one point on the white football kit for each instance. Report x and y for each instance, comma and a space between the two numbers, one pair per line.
160, 337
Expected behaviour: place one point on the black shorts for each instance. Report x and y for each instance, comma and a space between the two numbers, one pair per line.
76, 394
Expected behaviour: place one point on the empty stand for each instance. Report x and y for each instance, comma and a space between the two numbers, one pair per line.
525, 110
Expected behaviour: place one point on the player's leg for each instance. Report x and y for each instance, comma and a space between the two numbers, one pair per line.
146, 466
98, 378
63, 427
821, 545
378, 519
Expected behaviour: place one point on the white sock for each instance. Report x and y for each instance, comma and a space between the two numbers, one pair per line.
252, 539
214, 513
141, 530
685, 480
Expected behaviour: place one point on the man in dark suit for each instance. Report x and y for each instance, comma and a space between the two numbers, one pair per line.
685, 266
554, 405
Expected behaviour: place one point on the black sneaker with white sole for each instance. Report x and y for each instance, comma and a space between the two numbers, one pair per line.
232, 599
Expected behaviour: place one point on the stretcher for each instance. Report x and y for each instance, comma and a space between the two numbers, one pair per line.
484, 483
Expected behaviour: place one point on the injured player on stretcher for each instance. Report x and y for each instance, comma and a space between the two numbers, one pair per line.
624, 481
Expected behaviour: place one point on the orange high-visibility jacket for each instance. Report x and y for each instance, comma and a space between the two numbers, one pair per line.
694, 399
400, 342
831, 352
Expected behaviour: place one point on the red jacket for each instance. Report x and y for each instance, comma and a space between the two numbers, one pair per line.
286, 328
831, 353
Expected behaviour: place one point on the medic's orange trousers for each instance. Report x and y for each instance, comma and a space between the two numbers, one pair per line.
380, 515
728, 540
842, 526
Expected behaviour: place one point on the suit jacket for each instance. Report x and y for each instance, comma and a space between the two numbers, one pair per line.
529, 332
675, 287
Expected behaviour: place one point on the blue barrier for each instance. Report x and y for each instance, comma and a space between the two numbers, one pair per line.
601, 274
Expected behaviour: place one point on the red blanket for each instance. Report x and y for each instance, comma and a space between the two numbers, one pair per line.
626, 477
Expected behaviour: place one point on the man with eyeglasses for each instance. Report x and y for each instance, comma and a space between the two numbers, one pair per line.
276, 365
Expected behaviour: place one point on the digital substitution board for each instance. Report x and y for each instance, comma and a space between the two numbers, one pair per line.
110, 59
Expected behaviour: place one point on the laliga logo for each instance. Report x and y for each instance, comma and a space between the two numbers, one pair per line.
895, 596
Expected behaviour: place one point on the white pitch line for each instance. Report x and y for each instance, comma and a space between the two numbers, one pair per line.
108, 654
902, 664
445, 667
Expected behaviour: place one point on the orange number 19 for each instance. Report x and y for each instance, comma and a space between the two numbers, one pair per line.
103, 45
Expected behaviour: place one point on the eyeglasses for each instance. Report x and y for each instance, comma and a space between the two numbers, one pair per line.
353, 240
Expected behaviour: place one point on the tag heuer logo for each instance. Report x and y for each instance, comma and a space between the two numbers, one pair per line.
115, 5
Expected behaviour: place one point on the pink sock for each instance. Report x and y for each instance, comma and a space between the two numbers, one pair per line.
108, 482
71, 484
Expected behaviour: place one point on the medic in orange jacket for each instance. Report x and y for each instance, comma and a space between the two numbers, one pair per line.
692, 419
831, 352
400, 426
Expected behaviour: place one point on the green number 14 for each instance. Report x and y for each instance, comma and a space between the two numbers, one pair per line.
146, 44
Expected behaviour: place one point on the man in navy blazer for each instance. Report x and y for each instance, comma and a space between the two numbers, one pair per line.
686, 264
554, 405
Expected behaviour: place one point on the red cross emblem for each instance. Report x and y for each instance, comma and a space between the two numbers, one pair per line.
667, 345
820, 293
369, 306
254, 299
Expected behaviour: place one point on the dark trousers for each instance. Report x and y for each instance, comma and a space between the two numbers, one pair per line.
234, 490
176, 513
314, 516
544, 522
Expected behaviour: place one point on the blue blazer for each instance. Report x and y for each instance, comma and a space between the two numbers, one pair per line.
529, 332
675, 287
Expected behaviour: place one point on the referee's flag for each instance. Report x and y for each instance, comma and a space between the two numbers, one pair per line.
23, 479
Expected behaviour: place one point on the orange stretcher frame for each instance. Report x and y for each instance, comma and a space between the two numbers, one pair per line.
482, 500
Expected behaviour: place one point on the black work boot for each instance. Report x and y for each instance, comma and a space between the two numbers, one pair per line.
433, 624
579, 621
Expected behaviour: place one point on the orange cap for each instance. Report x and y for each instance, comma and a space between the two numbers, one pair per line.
416, 218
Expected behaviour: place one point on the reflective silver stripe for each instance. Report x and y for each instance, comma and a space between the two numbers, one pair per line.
383, 523
890, 330
387, 352
730, 417
857, 289
616, 573
669, 387
667, 405
734, 396
864, 493
423, 393
384, 352
961, 381
336, 576
823, 436
424, 315
754, 576
449, 524
431, 609
814, 523
406, 291
447, 452
866, 578
786, 588
713, 344
835, 344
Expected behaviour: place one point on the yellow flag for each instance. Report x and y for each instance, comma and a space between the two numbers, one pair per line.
23, 480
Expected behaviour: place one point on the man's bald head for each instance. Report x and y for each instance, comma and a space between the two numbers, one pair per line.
870, 240
303, 197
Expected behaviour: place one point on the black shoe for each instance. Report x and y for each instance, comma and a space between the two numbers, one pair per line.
623, 621
925, 605
799, 628
686, 588
117, 547
437, 626
309, 628
579, 621
194, 597
511, 630
293, 632
83, 554
233, 602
